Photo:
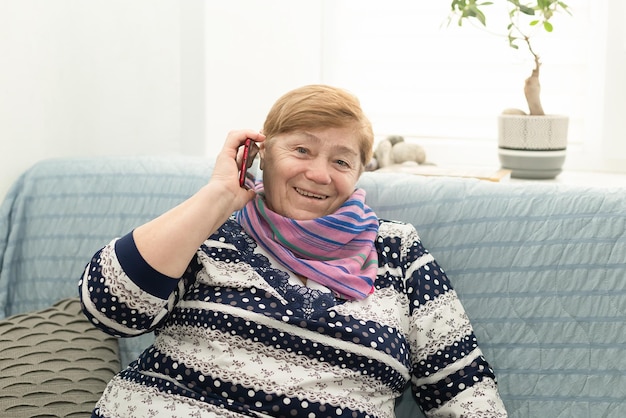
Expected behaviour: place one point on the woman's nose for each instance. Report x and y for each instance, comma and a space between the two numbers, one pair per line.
318, 171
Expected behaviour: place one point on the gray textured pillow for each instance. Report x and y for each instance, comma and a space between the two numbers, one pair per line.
54, 363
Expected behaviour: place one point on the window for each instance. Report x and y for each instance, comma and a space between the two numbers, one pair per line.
444, 85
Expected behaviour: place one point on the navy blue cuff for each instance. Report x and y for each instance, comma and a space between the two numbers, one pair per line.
140, 272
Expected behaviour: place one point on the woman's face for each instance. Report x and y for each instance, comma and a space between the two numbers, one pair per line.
310, 174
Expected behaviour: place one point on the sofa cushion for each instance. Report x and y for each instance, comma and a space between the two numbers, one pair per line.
54, 361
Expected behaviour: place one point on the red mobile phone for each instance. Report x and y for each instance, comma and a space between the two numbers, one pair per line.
244, 161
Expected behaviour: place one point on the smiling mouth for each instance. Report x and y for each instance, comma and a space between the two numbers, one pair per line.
311, 195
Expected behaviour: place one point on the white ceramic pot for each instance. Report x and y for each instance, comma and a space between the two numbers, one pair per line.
532, 146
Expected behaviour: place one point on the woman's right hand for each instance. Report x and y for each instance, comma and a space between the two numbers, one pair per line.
169, 242
227, 165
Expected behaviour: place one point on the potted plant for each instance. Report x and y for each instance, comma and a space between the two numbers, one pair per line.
531, 144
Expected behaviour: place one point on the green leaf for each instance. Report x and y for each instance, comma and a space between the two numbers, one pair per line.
527, 10
512, 43
564, 7
544, 4
468, 9
548, 26
534, 23
455, 5
481, 17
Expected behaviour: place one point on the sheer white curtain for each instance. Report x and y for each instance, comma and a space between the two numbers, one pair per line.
444, 85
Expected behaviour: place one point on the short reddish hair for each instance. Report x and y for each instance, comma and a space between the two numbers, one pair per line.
318, 106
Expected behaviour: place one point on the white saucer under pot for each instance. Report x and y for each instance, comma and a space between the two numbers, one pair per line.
528, 164
532, 147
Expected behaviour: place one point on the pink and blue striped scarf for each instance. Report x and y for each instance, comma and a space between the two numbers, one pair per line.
336, 250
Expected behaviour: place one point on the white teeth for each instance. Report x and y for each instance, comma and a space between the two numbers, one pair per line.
309, 194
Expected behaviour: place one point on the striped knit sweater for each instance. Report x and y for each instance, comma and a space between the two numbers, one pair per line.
240, 336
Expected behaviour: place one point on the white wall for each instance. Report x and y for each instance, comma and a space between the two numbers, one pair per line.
117, 77
256, 51
88, 78
613, 120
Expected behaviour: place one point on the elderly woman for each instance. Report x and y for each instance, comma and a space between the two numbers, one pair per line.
290, 298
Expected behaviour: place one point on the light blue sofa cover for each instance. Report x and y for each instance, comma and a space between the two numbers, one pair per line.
540, 268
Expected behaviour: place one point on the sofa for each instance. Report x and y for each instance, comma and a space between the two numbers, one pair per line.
539, 267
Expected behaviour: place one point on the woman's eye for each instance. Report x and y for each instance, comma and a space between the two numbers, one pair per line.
301, 150
343, 163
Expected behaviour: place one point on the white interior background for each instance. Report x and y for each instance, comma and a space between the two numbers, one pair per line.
119, 77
